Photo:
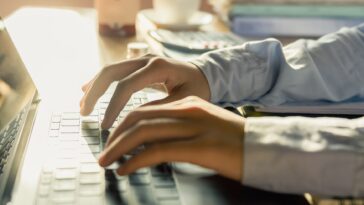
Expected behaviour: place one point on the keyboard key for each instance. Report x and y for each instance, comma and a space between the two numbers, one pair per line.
90, 118
90, 168
59, 197
90, 133
66, 164
46, 178
136, 179
102, 111
91, 200
90, 149
115, 124
90, 140
47, 168
123, 185
67, 154
55, 126
170, 202
70, 116
166, 193
142, 171
66, 145
87, 158
64, 185
122, 115
42, 201
90, 125
91, 190
163, 181
65, 174
90, 178
128, 107
137, 101
44, 190
70, 122
70, 129
103, 105
144, 195
121, 178
70, 137
56, 118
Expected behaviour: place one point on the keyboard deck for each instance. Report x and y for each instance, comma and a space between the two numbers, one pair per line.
71, 174
7, 139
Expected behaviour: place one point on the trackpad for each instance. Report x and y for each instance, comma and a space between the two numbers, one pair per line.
198, 185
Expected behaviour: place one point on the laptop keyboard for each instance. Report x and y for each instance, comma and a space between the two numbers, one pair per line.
71, 174
7, 139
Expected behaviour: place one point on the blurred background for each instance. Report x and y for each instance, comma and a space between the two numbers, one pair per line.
8, 6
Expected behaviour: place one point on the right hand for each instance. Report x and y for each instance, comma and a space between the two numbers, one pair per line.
181, 79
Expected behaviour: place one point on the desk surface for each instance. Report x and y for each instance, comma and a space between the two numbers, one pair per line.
61, 48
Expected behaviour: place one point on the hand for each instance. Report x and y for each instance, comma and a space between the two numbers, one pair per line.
181, 79
189, 130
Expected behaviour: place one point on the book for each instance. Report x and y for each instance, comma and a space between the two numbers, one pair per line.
346, 2
345, 108
223, 7
304, 11
265, 20
289, 27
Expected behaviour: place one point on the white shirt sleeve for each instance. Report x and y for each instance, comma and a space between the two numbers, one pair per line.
330, 69
295, 155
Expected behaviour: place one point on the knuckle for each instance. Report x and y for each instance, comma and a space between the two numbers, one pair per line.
196, 108
131, 117
141, 126
193, 98
123, 87
149, 55
157, 62
107, 69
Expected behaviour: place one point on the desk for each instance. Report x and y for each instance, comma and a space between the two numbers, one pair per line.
62, 49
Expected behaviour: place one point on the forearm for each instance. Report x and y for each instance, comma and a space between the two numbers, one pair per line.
328, 69
297, 155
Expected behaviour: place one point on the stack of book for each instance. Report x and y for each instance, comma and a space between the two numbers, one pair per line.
297, 18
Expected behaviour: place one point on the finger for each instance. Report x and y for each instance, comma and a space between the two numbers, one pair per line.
158, 111
87, 85
147, 132
182, 151
154, 72
103, 80
170, 98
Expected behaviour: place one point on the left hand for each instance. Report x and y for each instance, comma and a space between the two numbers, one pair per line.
189, 130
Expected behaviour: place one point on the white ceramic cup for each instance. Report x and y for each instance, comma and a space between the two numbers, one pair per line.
176, 11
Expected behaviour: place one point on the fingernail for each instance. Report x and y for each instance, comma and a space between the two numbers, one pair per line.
102, 160
83, 110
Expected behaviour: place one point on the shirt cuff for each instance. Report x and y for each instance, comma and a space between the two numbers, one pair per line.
361, 27
203, 63
299, 155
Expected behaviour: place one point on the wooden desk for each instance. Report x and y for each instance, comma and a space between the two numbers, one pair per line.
62, 49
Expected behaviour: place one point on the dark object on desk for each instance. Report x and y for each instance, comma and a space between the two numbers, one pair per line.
249, 111
124, 31
232, 192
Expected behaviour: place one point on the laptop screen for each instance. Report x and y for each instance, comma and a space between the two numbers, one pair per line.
16, 87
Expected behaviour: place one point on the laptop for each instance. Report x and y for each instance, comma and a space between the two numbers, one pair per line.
50, 157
